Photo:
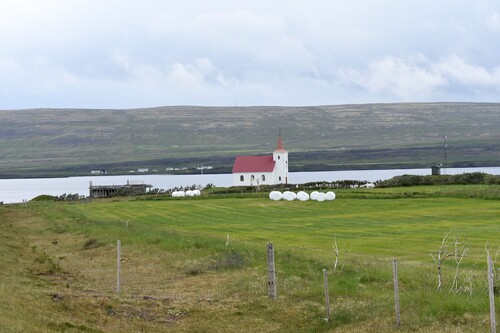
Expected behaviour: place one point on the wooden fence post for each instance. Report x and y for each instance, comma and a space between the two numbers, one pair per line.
396, 291
118, 261
327, 297
491, 293
271, 271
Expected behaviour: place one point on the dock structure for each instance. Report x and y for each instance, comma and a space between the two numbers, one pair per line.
107, 191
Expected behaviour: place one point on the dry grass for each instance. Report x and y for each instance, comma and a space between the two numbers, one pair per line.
58, 272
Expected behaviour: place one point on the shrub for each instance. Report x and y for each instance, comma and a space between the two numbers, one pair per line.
462, 179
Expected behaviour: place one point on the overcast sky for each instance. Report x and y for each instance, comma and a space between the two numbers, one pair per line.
126, 54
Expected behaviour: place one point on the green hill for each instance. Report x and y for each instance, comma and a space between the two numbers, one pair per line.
61, 142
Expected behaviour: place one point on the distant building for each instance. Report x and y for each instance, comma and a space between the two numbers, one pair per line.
106, 191
262, 170
206, 167
143, 170
436, 170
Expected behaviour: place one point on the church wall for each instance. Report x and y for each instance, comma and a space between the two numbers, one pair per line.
257, 180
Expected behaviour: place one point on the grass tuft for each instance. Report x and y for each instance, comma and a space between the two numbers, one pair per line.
92, 244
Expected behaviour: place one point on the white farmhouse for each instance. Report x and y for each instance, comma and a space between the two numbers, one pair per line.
262, 170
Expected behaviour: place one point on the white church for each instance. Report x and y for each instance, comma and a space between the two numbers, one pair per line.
262, 170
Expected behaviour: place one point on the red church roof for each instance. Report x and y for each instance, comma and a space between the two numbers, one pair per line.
253, 164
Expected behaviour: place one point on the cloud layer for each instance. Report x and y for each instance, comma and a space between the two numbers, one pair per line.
105, 54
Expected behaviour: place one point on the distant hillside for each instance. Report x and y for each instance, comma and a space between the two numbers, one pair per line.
60, 142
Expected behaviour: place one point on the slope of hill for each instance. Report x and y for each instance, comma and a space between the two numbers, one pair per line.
60, 142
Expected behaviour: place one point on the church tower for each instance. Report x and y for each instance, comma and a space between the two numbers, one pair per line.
280, 158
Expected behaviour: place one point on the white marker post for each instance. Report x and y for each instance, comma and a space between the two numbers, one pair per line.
118, 261
491, 292
327, 297
271, 271
396, 291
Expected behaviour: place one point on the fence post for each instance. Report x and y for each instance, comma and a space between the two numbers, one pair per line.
327, 297
271, 271
396, 291
492, 296
118, 261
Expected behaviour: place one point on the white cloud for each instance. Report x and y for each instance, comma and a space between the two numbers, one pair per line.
35, 76
190, 76
121, 59
405, 79
418, 79
493, 22
105, 53
236, 38
457, 69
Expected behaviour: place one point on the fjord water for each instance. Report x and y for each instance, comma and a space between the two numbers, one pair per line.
17, 190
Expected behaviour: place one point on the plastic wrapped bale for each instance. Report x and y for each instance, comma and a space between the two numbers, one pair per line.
197, 193
321, 197
302, 196
175, 194
275, 195
189, 193
330, 195
289, 196
182, 194
314, 195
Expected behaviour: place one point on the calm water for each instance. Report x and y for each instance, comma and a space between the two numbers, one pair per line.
17, 190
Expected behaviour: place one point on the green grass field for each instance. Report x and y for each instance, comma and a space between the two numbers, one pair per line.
199, 265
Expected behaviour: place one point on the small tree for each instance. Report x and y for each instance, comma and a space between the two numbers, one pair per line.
440, 256
337, 253
452, 246
459, 253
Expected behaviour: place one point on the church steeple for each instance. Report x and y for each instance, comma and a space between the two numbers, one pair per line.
279, 147
280, 158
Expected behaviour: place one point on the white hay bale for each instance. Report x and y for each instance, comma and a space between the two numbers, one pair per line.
181, 194
321, 197
275, 195
330, 195
314, 195
289, 196
302, 196
197, 193
189, 193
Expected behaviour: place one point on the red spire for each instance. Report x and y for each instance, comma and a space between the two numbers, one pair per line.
280, 143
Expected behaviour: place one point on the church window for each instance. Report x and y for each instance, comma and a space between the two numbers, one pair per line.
278, 157
263, 178
242, 178
279, 178
252, 177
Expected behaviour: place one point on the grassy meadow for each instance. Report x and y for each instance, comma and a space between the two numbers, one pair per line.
199, 264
